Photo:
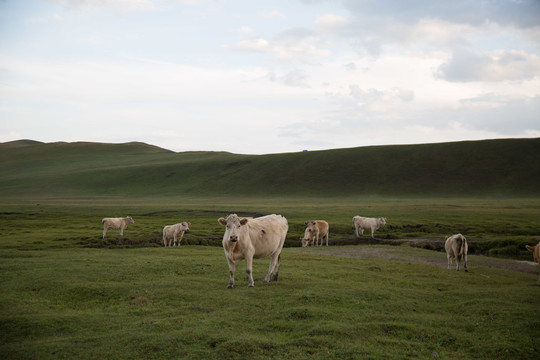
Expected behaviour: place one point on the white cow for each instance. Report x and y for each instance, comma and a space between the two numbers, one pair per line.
536, 252
456, 248
247, 238
174, 233
116, 223
360, 223
315, 229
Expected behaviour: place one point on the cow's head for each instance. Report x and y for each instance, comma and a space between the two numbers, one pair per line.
308, 233
185, 226
232, 226
382, 221
130, 220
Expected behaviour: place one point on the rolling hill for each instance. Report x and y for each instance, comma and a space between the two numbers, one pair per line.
507, 167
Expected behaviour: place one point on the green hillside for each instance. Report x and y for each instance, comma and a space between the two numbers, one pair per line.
509, 167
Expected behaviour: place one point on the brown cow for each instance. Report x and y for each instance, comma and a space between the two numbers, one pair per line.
315, 229
456, 247
247, 238
536, 252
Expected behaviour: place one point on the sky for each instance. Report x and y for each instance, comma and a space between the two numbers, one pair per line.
260, 77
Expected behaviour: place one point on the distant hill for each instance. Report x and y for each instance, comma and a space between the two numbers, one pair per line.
509, 167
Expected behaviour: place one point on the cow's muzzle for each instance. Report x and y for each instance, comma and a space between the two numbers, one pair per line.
234, 238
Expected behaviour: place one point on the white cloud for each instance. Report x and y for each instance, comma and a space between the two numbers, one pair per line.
331, 21
500, 65
106, 4
273, 14
299, 44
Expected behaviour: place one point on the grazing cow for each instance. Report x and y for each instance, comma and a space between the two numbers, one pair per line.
116, 223
247, 238
174, 233
315, 229
361, 223
456, 247
536, 252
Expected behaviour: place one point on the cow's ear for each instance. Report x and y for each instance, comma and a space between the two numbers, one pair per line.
243, 221
222, 221
189, 223
306, 223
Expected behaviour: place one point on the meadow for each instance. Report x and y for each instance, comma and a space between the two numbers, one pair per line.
67, 293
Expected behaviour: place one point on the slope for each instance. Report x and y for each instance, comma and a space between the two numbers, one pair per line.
509, 167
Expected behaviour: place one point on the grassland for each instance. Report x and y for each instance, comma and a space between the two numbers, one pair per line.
65, 293
501, 168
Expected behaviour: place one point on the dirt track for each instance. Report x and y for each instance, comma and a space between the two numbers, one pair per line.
429, 257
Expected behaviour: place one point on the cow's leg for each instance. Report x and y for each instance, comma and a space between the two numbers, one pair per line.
175, 240
273, 269
325, 237
465, 265
121, 232
104, 231
449, 259
372, 232
249, 269
232, 269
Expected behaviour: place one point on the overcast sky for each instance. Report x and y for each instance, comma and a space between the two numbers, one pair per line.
256, 77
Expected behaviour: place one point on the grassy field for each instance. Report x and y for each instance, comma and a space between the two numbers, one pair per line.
490, 168
66, 293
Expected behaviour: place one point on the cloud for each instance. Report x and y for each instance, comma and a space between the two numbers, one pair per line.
298, 44
502, 65
296, 78
90, 5
331, 22
519, 13
273, 14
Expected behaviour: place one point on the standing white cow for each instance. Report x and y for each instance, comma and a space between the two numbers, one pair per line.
360, 223
456, 247
247, 238
315, 229
174, 233
116, 223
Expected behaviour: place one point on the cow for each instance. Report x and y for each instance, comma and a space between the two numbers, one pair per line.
315, 229
174, 233
456, 248
536, 252
116, 223
361, 223
247, 238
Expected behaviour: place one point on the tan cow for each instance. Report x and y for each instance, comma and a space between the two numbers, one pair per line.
116, 223
247, 238
536, 252
361, 223
174, 233
456, 248
315, 229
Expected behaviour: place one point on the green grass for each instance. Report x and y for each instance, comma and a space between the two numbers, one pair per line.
160, 303
61, 297
67, 293
490, 168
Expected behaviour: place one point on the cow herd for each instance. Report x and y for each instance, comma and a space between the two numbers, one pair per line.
247, 238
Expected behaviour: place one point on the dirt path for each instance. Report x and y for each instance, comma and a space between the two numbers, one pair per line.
408, 254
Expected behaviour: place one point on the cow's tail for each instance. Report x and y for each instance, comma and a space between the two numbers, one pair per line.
463, 245
530, 248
